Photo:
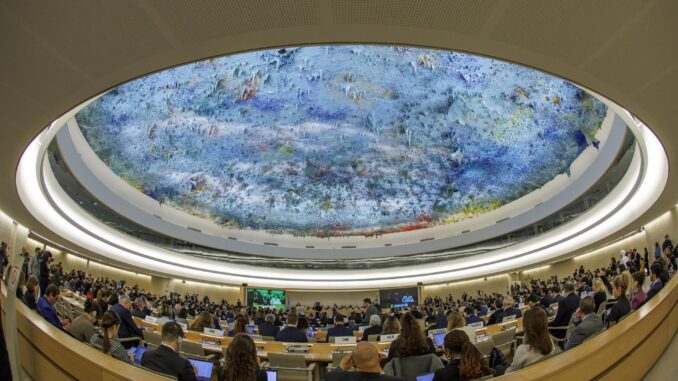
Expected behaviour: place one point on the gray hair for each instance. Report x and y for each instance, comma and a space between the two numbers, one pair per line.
270, 318
375, 320
123, 299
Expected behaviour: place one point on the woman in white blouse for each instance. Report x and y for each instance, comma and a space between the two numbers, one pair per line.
537, 342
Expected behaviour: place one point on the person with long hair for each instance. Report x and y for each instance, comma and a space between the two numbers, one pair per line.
411, 341
391, 325
240, 326
622, 307
31, 293
639, 296
241, 362
108, 340
537, 342
466, 362
202, 321
455, 320
599, 292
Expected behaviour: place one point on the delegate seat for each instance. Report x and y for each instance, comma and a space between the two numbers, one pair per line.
505, 340
152, 339
194, 350
410, 367
292, 367
485, 347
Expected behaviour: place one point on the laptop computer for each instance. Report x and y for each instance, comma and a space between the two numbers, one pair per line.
204, 369
425, 377
250, 329
271, 375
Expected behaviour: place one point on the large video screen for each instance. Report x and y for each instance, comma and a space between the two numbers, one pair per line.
258, 297
399, 297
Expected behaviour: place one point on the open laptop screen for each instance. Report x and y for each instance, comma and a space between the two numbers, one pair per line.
204, 369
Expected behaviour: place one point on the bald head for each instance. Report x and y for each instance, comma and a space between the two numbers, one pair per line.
365, 357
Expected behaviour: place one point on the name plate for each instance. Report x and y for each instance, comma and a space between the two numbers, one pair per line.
183, 326
213, 332
432, 332
345, 340
256, 337
151, 319
508, 319
476, 325
388, 338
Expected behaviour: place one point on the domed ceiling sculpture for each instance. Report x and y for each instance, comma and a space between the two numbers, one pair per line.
341, 140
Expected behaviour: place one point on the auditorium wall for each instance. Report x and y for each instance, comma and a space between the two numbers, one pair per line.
497, 283
344, 298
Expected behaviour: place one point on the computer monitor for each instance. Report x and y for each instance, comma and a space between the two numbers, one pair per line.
139, 353
204, 369
425, 377
271, 375
250, 329
439, 339
310, 332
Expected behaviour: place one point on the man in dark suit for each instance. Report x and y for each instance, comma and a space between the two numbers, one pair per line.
555, 294
292, 334
509, 309
657, 284
268, 327
373, 329
566, 307
44, 271
127, 326
165, 359
339, 328
586, 321
471, 316
495, 317
546, 299
365, 359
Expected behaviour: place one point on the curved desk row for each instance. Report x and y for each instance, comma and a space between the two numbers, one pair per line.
48, 354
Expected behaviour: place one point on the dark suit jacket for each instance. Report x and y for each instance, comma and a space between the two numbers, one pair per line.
268, 329
138, 313
599, 298
340, 375
654, 288
339, 330
448, 373
546, 301
166, 360
373, 330
291, 335
509, 312
566, 307
127, 326
496, 315
584, 330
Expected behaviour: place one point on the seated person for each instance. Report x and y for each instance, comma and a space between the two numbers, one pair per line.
31, 293
546, 300
537, 342
431, 323
291, 334
566, 307
639, 296
165, 358
365, 360
373, 329
471, 316
45, 308
202, 321
139, 309
411, 341
241, 362
586, 323
622, 307
339, 328
108, 340
240, 326
268, 327
496, 315
657, 284
455, 320
466, 362
165, 314
391, 326
82, 327
509, 309
128, 327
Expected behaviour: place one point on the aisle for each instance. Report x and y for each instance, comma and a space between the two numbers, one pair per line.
666, 368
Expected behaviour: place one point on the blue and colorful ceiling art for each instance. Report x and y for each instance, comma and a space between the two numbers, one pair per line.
341, 140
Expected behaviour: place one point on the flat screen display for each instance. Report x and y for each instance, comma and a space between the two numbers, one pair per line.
271, 375
399, 297
425, 377
258, 297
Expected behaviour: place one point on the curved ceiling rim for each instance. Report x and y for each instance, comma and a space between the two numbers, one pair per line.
77, 155
411, 280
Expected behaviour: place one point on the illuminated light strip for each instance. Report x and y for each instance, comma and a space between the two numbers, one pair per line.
578, 233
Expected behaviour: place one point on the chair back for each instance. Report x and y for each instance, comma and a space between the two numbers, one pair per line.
192, 348
337, 357
152, 338
485, 347
601, 308
373, 338
287, 360
268, 338
504, 337
410, 367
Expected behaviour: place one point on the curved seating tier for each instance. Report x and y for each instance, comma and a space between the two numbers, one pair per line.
48, 354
